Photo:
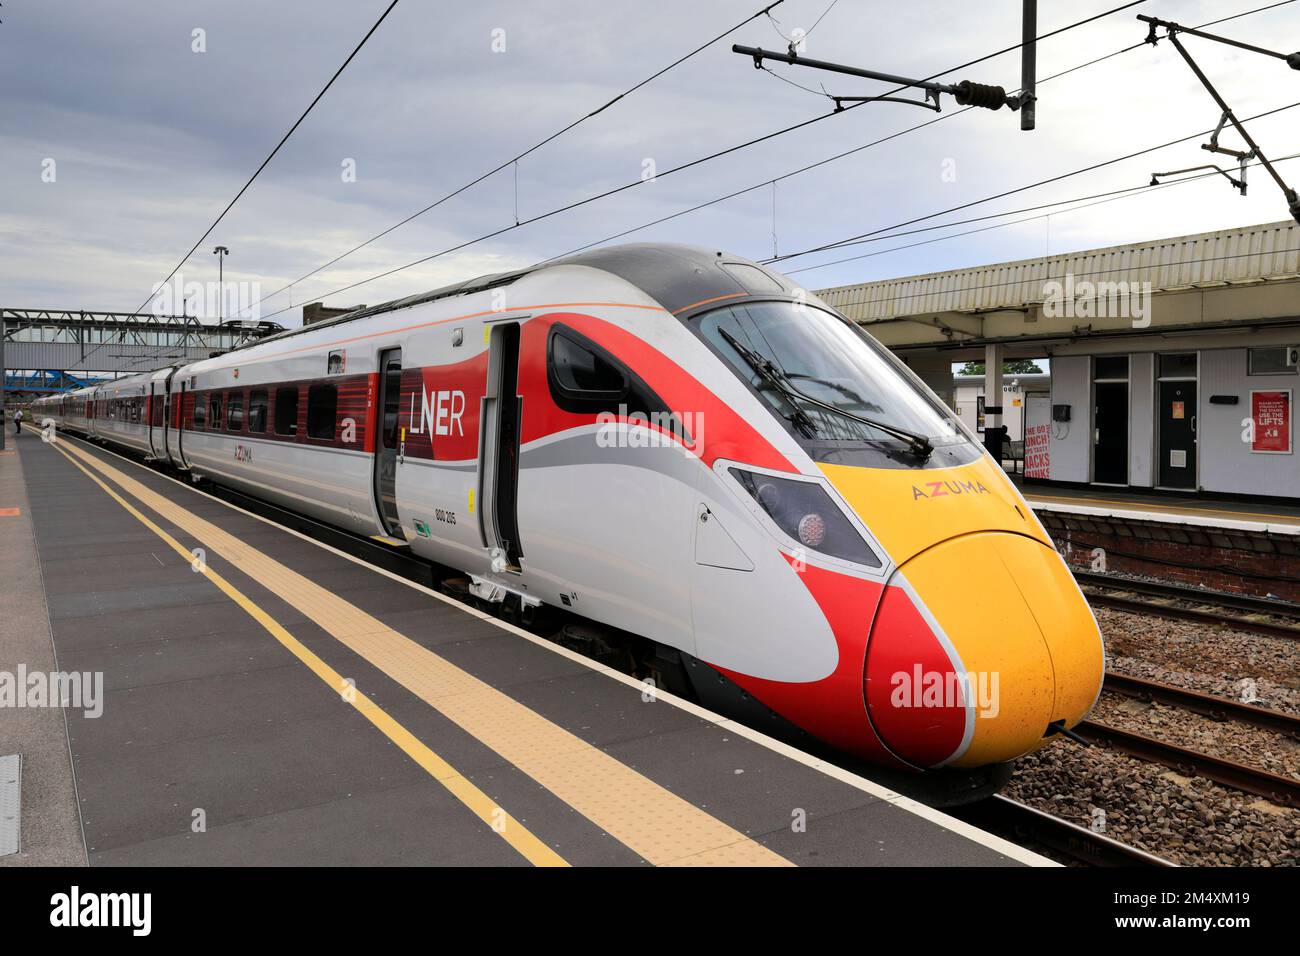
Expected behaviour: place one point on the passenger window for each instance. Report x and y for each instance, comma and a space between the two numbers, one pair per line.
322, 406
582, 372
200, 410
257, 411
286, 411
583, 377
214, 411
235, 412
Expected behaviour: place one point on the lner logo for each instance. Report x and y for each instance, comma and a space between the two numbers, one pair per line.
440, 412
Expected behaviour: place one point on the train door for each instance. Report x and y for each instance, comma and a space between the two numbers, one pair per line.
502, 413
176, 428
157, 412
1110, 420
387, 441
1176, 430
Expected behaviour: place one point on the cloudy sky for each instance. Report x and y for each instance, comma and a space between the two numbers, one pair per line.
149, 138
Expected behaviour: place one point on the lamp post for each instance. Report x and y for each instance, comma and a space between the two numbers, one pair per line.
221, 252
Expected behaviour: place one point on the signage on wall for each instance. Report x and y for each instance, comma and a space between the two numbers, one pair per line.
1038, 441
1271, 414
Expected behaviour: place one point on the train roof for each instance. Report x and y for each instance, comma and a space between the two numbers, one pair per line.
676, 276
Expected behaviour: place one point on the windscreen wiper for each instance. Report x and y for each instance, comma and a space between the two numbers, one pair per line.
917, 444
767, 371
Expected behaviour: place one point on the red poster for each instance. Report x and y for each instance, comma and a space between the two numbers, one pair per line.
1038, 451
1271, 414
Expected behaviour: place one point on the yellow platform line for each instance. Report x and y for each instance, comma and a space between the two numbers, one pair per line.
653, 822
478, 802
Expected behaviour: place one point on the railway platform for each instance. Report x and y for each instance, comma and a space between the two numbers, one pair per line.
1276, 517
1245, 547
267, 699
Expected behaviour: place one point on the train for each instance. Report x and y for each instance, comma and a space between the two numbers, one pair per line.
675, 443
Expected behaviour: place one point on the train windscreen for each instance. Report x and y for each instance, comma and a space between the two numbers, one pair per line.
826, 376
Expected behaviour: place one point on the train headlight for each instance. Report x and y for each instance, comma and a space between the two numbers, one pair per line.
812, 530
807, 514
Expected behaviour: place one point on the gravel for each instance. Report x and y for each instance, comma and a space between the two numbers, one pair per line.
1187, 654
1229, 739
1190, 821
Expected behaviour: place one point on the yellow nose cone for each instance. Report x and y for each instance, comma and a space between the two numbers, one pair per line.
1021, 633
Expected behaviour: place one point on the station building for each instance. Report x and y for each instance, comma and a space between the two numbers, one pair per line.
970, 399
1173, 362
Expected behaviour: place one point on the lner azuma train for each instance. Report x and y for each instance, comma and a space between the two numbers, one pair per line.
677, 443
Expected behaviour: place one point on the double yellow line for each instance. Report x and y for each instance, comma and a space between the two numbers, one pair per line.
658, 825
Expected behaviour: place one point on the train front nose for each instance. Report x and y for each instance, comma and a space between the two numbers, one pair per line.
979, 645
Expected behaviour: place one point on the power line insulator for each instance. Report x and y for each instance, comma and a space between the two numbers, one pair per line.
980, 94
1293, 61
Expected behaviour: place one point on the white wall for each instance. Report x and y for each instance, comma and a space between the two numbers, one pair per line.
1142, 419
1012, 414
1071, 445
1225, 462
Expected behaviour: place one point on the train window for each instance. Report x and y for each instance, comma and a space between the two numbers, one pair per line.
200, 410
214, 411
257, 410
580, 371
235, 412
286, 411
322, 409
583, 377
156, 411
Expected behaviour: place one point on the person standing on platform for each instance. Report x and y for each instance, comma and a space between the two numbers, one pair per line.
18, 420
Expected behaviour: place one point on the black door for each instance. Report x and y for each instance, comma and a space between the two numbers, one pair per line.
505, 496
1110, 436
1178, 434
386, 446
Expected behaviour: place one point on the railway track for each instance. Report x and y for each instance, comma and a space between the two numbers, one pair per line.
1241, 612
1023, 823
1193, 763
1207, 705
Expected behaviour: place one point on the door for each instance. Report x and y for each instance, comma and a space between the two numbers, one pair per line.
1177, 434
157, 419
1110, 433
176, 421
387, 442
499, 446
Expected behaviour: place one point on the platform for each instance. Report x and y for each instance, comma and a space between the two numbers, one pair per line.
270, 700
1273, 517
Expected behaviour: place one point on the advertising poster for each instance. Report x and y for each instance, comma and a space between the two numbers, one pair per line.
1271, 414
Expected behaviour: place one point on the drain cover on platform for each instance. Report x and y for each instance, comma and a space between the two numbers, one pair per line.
11, 789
